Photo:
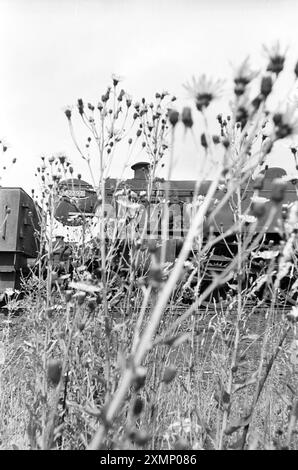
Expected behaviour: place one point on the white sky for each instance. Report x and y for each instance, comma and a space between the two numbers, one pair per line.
55, 51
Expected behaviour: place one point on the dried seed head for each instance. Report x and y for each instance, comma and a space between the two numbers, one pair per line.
296, 70
80, 106
266, 86
277, 119
186, 117
256, 102
276, 63
169, 374
219, 118
138, 406
128, 101
241, 116
139, 436
54, 371
226, 143
116, 79
173, 117
68, 113
91, 304
204, 142
239, 88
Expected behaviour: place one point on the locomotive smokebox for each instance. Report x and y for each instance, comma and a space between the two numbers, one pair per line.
77, 199
19, 230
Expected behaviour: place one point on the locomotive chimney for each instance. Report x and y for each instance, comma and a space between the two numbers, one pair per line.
141, 170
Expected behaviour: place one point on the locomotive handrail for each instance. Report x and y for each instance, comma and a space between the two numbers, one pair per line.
4, 225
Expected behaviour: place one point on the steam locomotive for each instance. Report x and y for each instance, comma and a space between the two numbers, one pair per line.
20, 228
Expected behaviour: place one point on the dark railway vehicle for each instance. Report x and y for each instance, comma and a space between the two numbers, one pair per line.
78, 200
19, 236
79, 194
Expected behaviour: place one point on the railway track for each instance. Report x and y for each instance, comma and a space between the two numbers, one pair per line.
207, 308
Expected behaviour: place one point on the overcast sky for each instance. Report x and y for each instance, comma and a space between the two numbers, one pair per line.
55, 51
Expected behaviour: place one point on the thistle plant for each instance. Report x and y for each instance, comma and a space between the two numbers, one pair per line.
130, 350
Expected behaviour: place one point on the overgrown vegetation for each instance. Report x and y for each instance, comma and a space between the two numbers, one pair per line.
129, 350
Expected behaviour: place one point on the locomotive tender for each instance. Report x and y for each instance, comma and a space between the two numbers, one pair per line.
20, 223
18, 236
